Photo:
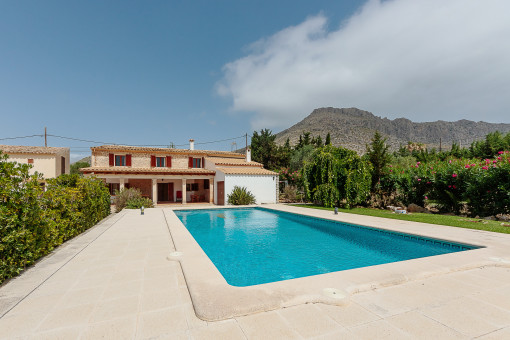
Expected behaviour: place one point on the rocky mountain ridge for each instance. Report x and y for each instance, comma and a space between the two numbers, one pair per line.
353, 128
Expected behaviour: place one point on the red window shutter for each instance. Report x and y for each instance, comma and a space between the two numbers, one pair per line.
190, 162
112, 159
203, 162
128, 160
169, 161
153, 161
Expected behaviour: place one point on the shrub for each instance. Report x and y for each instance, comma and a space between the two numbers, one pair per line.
137, 203
488, 189
23, 226
291, 194
240, 196
76, 203
483, 186
336, 174
125, 195
33, 223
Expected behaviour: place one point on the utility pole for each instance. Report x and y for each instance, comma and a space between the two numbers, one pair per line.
45, 138
246, 149
440, 144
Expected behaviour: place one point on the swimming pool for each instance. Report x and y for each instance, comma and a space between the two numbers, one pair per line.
251, 246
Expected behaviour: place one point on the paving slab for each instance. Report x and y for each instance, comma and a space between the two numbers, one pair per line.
117, 281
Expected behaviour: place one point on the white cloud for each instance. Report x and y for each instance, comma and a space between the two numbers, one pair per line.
422, 59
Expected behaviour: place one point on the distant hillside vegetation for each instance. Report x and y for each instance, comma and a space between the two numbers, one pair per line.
86, 160
353, 128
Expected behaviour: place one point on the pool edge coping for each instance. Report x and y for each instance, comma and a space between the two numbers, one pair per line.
214, 299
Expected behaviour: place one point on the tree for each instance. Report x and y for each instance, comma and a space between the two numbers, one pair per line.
328, 139
378, 156
336, 174
75, 167
318, 141
305, 139
283, 155
300, 156
263, 148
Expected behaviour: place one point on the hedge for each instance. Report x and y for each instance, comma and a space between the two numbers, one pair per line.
481, 186
33, 222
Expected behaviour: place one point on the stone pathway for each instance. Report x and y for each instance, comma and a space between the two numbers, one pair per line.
115, 282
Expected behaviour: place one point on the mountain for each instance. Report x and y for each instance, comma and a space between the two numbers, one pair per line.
353, 128
86, 160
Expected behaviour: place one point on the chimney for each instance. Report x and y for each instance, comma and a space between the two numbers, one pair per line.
192, 144
248, 154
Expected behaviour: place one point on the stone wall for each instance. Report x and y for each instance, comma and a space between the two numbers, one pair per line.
145, 186
140, 160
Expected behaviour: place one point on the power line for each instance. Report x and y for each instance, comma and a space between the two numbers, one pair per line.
80, 140
162, 145
6, 138
223, 140
101, 142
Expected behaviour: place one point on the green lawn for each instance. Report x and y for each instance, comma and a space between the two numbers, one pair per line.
454, 221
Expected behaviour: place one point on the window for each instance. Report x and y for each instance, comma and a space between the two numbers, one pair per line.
160, 162
196, 162
206, 184
192, 187
30, 161
62, 165
120, 160
112, 187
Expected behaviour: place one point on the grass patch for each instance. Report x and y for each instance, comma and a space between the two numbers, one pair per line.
453, 221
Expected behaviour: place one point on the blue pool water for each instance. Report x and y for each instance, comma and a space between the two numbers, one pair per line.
251, 246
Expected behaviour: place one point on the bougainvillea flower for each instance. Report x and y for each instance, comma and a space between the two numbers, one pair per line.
454, 175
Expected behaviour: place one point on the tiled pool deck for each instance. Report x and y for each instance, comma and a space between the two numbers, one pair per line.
116, 281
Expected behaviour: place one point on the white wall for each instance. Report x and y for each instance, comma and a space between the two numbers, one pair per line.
220, 176
43, 164
262, 187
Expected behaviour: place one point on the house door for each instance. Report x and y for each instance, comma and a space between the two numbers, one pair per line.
163, 192
171, 192
220, 190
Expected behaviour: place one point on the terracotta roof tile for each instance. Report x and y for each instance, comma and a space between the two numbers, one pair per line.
245, 170
15, 149
118, 169
232, 161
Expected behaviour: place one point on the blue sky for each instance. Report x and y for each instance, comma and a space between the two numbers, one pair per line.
155, 72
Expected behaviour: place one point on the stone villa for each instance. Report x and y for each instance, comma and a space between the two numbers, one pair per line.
168, 175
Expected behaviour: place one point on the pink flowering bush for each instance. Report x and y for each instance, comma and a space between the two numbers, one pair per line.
488, 189
483, 186
293, 178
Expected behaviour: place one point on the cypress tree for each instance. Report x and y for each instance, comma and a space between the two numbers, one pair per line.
328, 139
